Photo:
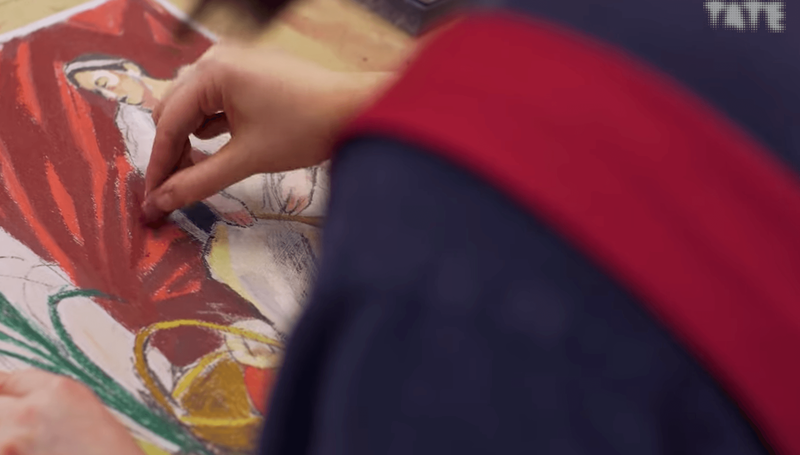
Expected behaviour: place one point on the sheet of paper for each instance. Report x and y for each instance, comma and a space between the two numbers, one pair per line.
179, 330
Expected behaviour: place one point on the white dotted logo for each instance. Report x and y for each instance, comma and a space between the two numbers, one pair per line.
747, 15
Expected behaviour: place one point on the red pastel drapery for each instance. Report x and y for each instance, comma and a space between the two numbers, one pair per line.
68, 191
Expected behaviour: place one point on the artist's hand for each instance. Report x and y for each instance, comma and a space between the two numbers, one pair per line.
282, 112
45, 414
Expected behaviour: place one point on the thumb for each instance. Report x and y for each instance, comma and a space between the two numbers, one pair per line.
205, 178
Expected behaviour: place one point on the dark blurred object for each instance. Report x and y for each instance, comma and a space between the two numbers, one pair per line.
260, 12
413, 16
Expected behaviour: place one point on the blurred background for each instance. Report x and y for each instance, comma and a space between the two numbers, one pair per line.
339, 34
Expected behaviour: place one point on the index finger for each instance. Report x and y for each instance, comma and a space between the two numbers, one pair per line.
182, 114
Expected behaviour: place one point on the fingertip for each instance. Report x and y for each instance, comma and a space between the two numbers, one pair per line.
157, 205
151, 215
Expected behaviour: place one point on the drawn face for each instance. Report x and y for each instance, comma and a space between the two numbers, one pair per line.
124, 86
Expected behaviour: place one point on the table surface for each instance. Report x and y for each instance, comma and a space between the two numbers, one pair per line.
338, 34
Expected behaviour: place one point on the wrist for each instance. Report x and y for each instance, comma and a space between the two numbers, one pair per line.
356, 92
342, 97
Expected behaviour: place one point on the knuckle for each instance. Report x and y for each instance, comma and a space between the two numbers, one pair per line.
165, 134
213, 52
186, 69
213, 68
206, 63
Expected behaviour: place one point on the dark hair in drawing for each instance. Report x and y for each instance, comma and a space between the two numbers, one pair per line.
94, 62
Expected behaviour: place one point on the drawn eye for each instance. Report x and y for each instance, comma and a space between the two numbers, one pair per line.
101, 82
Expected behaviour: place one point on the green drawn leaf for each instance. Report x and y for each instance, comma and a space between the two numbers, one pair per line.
66, 358
12, 318
19, 343
113, 394
31, 362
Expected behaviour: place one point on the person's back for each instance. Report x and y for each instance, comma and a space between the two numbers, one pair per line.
622, 129
739, 56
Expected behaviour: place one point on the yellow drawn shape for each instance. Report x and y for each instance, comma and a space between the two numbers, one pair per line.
150, 449
189, 377
215, 422
150, 382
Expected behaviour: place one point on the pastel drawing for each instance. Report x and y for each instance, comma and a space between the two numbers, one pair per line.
179, 330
